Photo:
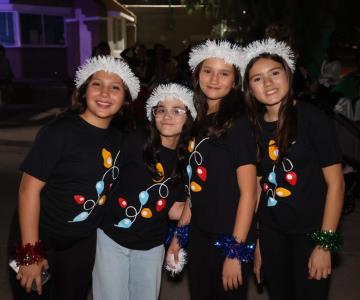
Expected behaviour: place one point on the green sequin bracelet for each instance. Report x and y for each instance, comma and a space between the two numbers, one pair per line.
327, 240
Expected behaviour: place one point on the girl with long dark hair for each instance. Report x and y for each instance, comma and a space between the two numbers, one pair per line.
149, 191
66, 175
221, 178
300, 179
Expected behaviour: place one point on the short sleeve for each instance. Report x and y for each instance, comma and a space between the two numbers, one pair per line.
242, 142
323, 139
44, 154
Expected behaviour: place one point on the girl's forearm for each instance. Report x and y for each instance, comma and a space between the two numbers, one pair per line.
29, 209
334, 197
186, 214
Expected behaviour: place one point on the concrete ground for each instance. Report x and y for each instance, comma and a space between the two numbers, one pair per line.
16, 141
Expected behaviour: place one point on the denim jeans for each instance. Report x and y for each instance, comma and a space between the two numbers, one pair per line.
125, 274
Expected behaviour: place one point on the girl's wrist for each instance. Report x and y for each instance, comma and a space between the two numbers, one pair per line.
29, 253
327, 240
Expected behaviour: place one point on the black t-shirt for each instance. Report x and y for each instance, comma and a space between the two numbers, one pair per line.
78, 162
214, 189
137, 217
294, 190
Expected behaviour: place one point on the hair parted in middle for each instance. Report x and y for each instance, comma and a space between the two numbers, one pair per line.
153, 141
123, 119
286, 129
231, 106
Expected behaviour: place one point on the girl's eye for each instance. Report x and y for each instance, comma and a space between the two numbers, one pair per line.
275, 73
225, 74
160, 110
179, 111
116, 87
256, 79
95, 83
206, 71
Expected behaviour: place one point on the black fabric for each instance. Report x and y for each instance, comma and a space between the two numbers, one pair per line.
285, 260
205, 269
72, 156
143, 233
316, 147
214, 207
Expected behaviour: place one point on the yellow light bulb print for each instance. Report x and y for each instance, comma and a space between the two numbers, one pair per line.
146, 213
195, 187
107, 158
191, 145
160, 170
273, 150
281, 192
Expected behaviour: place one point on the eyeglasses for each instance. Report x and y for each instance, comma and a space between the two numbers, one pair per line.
176, 112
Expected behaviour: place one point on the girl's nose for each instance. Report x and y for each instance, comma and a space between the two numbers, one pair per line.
267, 81
214, 78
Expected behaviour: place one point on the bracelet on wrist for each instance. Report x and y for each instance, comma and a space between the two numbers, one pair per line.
327, 240
29, 254
244, 252
181, 232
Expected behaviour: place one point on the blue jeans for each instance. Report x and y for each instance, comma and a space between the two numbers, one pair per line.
125, 274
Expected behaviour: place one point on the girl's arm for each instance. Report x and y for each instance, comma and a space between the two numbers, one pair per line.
29, 213
246, 177
185, 218
176, 210
257, 254
320, 259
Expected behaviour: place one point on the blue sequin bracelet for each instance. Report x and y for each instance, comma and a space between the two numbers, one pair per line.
181, 232
244, 252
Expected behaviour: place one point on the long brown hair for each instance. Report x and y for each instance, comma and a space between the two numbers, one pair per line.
286, 129
230, 106
152, 146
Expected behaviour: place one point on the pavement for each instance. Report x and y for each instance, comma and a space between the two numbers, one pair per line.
18, 127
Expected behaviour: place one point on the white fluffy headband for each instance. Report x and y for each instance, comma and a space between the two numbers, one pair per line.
171, 91
230, 53
270, 46
112, 65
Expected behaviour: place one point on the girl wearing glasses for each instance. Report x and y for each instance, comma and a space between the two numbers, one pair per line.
150, 189
221, 178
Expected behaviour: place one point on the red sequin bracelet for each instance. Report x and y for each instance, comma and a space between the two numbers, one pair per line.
29, 254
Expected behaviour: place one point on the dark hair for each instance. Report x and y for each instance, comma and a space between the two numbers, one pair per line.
123, 119
286, 129
230, 106
152, 149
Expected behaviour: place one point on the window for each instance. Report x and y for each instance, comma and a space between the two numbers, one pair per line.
41, 30
7, 36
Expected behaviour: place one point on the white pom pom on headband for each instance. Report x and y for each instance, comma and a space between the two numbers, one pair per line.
230, 53
270, 46
171, 91
111, 65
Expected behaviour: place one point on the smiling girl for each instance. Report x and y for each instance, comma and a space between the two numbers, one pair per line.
149, 191
301, 178
221, 178
66, 175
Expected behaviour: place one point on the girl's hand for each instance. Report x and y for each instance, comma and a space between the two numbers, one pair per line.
319, 264
257, 262
231, 275
27, 274
174, 248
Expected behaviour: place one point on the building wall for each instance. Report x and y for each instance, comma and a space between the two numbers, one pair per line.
154, 26
43, 2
